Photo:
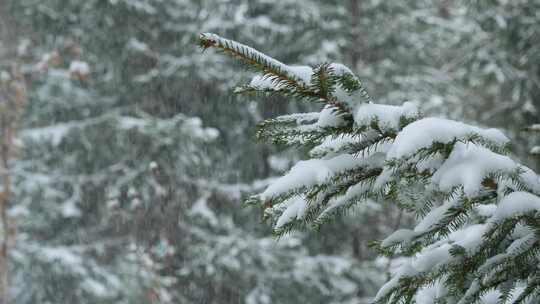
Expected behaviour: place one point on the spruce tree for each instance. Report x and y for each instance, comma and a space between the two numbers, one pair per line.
122, 195
476, 240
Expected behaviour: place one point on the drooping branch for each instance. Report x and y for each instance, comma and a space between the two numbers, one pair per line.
281, 75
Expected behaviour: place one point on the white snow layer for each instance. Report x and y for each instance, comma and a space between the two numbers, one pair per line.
433, 217
387, 116
468, 165
329, 117
79, 67
316, 171
429, 294
469, 237
266, 81
490, 297
521, 244
200, 208
236, 45
431, 256
400, 235
404, 270
333, 144
439, 253
340, 69
53, 133
516, 203
423, 133
353, 192
296, 208
486, 210
301, 72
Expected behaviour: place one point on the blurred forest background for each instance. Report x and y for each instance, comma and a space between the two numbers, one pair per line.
132, 154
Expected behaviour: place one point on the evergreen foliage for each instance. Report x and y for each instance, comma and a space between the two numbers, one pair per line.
477, 236
121, 194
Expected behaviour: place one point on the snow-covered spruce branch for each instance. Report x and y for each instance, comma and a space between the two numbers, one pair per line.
477, 239
328, 83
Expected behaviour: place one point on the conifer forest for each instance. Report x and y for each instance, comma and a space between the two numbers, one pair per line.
269, 152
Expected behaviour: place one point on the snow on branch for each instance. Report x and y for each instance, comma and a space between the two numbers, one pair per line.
332, 84
478, 209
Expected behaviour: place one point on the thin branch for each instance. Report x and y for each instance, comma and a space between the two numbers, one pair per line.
274, 69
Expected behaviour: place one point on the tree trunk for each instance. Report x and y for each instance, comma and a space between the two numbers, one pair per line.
12, 95
4, 198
